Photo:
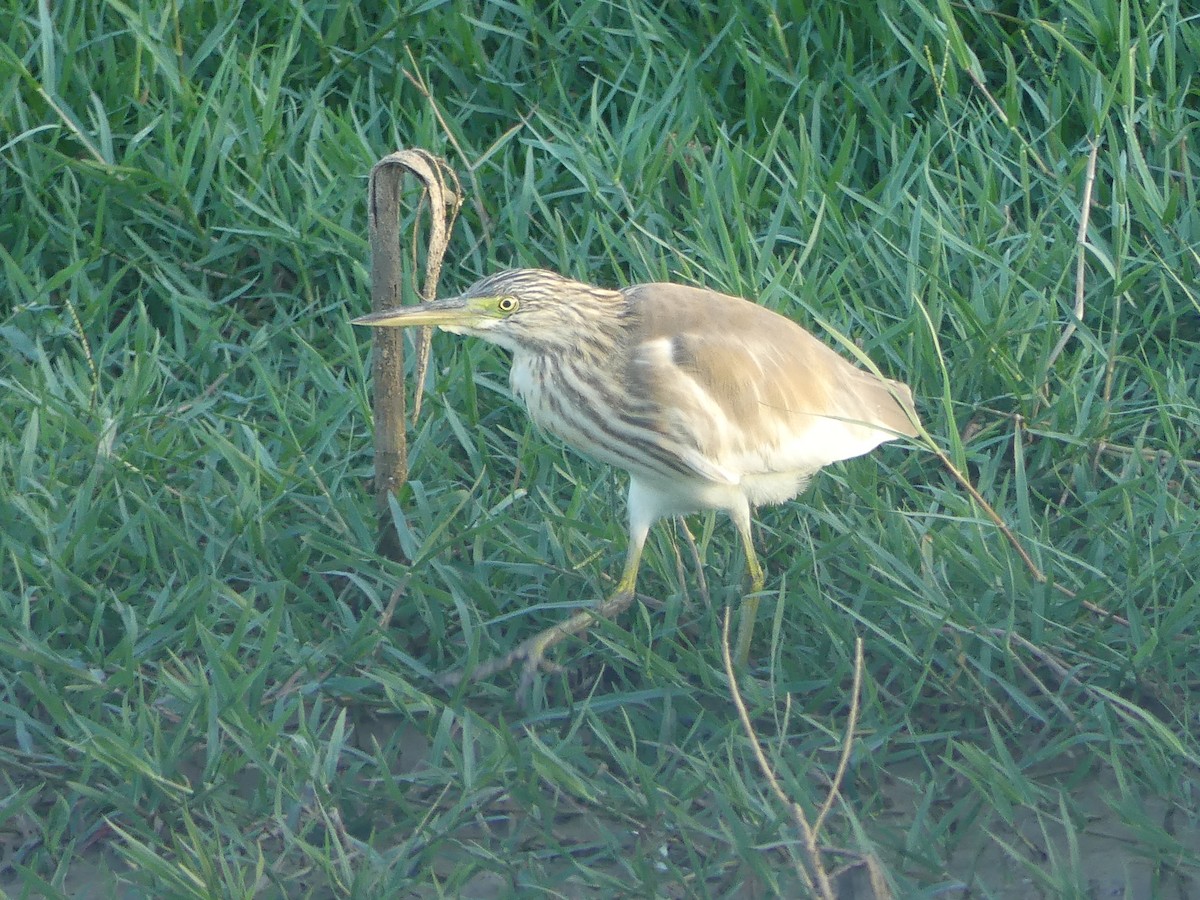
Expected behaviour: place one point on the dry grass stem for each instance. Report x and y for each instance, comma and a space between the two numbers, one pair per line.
1047, 660
417, 81
813, 873
697, 562
1148, 454
1015, 542
385, 618
995, 104
847, 740
1085, 214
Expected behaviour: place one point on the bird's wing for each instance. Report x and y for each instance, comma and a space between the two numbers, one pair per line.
744, 391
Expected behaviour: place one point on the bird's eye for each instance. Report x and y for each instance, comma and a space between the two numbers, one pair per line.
507, 304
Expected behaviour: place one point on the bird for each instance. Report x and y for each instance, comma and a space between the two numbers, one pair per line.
708, 401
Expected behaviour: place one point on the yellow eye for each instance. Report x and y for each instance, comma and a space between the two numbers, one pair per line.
507, 304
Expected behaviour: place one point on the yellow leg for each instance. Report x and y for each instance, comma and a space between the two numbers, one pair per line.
633, 561
749, 612
533, 650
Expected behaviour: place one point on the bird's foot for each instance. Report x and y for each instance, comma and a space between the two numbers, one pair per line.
532, 651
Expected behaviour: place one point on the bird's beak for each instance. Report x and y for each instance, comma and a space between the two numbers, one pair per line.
449, 313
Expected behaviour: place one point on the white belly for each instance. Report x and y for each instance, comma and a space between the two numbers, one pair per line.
728, 489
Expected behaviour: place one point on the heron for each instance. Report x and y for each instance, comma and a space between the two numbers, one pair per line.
708, 401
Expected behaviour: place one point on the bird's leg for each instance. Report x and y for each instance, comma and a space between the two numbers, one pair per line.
633, 562
750, 602
533, 650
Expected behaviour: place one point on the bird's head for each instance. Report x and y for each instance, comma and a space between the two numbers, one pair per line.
519, 309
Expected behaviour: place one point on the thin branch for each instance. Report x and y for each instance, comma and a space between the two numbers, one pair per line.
848, 739
1038, 575
1046, 659
385, 619
1148, 454
701, 581
991, 513
815, 870
1004, 118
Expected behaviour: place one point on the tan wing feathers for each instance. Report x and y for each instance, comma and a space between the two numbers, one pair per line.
754, 391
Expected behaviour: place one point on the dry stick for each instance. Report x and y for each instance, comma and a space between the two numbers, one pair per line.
383, 211
1124, 707
391, 450
1004, 118
1103, 447
1148, 454
815, 870
1038, 575
1047, 659
390, 610
848, 741
1085, 215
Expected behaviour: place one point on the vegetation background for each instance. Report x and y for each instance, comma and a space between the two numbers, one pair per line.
200, 692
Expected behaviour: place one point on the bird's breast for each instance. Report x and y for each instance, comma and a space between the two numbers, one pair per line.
574, 402
527, 378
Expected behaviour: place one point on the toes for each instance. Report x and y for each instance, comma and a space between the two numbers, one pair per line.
525, 686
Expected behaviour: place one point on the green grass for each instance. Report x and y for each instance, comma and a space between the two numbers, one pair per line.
196, 695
